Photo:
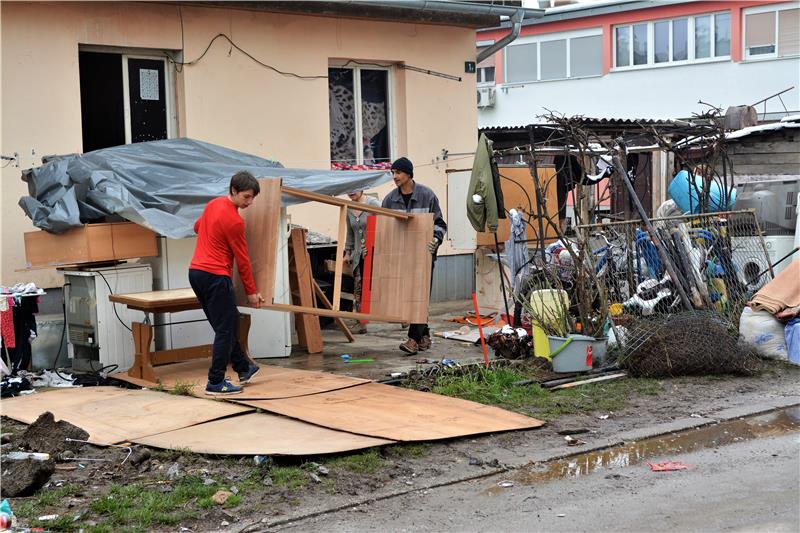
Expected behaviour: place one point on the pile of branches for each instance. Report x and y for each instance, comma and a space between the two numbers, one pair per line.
510, 345
690, 343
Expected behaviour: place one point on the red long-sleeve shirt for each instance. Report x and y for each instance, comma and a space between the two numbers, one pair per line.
220, 238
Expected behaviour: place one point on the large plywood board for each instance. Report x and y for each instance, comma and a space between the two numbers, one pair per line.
272, 382
112, 414
519, 193
401, 268
395, 413
261, 434
261, 227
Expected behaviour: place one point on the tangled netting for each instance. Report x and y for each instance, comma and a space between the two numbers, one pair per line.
691, 343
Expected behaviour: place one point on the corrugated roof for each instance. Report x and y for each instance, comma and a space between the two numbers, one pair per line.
590, 121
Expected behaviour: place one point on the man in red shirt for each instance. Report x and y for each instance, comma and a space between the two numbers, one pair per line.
220, 239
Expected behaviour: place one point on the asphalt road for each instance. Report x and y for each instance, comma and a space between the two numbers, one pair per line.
745, 486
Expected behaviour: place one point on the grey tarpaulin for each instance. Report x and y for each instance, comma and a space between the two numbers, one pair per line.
162, 185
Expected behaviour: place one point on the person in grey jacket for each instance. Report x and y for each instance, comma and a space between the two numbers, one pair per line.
355, 248
412, 197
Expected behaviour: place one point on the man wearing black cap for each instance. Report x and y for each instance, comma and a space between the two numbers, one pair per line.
411, 197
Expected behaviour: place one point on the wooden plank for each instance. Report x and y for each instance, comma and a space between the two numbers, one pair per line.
337, 274
366, 269
272, 382
518, 193
309, 333
589, 381
339, 322
316, 311
401, 268
766, 159
331, 200
177, 355
113, 414
396, 413
773, 147
261, 230
261, 434
771, 169
158, 301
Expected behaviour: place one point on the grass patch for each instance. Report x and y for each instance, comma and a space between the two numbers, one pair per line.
45, 498
410, 450
292, 477
182, 388
367, 462
172, 454
495, 387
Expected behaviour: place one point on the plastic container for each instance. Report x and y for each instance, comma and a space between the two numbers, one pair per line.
572, 354
685, 194
548, 307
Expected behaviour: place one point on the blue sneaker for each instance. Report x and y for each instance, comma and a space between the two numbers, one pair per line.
247, 375
223, 388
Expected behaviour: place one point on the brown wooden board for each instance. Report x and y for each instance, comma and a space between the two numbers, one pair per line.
401, 271
301, 280
112, 414
261, 434
92, 243
261, 230
271, 382
396, 413
518, 193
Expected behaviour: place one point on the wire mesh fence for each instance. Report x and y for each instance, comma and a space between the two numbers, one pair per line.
720, 260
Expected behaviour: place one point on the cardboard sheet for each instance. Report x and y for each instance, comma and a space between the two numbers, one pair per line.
261, 434
395, 413
261, 227
112, 414
272, 382
401, 270
472, 335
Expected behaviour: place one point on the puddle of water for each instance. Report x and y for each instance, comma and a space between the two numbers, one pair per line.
724, 433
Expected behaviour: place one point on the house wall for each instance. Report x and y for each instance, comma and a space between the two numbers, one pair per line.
226, 98
651, 92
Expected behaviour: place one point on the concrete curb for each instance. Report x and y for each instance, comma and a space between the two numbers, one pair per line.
552, 454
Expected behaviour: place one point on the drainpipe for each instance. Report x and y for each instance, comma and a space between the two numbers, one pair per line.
516, 25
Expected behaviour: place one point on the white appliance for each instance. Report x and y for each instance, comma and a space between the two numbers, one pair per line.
97, 329
749, 257
270, 331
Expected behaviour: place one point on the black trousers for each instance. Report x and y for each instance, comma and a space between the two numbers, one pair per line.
218, 299
417, 331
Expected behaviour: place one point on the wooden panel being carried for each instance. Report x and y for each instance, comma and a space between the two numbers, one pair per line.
271, 382
401, 268
261, 230
261, 434
396, 413
112, 414
301, 283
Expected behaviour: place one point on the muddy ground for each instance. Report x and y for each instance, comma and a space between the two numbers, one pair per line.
93, 495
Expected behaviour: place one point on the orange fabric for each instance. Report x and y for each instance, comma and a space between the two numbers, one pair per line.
780, 293
220, 238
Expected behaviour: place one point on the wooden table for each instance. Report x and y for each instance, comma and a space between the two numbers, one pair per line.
168, 301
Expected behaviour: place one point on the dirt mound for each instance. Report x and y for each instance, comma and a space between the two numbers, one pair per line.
48, 436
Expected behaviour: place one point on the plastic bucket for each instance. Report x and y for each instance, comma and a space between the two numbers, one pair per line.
548, 307
572, 354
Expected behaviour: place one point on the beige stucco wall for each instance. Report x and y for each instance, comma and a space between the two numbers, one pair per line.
226, 99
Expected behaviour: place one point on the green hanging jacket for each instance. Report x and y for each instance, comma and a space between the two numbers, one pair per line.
481, 183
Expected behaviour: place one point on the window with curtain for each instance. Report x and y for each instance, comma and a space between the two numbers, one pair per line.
772, 33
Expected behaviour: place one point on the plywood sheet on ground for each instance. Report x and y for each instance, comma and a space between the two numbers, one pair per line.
272, 382
395, 413
401, 269
112, 414
261, 227
261, 434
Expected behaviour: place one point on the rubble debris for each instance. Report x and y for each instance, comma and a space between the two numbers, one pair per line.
25, 477
48, 436
221, 496
138, 456
505, 484
174, 472
668, 466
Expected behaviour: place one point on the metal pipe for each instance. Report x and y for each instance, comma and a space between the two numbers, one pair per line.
446, 6
516, 26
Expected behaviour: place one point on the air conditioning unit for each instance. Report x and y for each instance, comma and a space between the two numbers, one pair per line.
486, 96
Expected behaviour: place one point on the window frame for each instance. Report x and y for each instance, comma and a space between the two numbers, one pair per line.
690, 43
169, 82
480, 72
774, 9
546, 37
390, 102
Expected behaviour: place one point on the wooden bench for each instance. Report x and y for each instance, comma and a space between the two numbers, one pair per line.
167, 301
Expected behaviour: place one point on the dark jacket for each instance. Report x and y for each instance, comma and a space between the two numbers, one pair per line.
423, 200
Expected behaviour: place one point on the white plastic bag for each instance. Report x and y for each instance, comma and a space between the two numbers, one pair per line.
764, 332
